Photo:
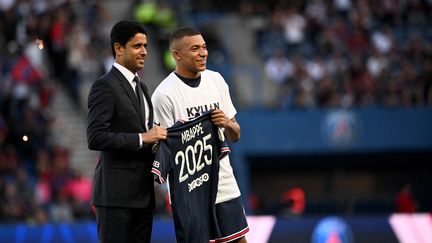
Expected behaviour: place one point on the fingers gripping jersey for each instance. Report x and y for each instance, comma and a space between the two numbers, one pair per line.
189, 158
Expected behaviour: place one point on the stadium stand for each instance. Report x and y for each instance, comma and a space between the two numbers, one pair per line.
333, 56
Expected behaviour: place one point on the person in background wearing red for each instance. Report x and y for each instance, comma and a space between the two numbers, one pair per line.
405, 201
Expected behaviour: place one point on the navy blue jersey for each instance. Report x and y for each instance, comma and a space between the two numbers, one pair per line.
189, 158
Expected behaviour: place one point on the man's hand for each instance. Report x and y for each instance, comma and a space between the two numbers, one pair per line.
220, 119
230, 126
153, 135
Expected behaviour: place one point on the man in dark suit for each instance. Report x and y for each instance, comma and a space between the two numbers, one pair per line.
120, 125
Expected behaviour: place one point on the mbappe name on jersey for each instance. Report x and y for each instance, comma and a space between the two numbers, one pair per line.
192, 132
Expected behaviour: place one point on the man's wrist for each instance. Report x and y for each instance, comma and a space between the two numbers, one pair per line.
227, 123
140, 140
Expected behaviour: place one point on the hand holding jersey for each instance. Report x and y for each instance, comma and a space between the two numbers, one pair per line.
230, 126
155, 134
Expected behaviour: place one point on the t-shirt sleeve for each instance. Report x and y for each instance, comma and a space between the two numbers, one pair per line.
163, 113
227, 106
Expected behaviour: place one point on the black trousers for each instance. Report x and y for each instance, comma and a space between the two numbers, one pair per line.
128, 225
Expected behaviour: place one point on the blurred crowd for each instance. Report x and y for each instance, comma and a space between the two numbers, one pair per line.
320, 53
43, 44
347, 53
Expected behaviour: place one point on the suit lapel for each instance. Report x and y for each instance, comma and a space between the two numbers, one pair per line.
130, 93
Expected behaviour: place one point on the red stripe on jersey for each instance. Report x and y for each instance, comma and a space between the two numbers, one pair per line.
232, 237
157, 172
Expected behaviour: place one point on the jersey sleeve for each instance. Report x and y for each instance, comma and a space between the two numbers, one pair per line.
161, 165
224, 148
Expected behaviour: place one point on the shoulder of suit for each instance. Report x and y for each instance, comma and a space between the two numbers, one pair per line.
108, 79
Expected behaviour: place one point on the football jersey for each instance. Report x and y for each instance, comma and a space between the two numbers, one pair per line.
189, 160
173, 100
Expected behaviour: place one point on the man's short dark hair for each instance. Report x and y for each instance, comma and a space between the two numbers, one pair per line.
123, 31
182, 32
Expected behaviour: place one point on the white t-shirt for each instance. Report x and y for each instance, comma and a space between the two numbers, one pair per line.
173, 100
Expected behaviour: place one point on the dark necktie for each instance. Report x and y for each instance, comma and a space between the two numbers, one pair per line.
138, 91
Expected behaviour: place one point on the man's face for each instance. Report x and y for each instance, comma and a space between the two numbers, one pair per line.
133, 55
191, 56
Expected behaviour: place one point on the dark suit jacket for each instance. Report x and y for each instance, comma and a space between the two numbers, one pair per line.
123, 174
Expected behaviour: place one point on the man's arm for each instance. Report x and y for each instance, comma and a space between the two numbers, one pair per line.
101, 112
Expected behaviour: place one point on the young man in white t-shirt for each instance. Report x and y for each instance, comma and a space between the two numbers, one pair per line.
189, 91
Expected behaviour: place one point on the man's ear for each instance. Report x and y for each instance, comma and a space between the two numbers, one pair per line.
176, 54
118, 48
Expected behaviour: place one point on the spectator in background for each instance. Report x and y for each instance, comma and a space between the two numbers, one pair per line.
316, 15
304, 85
405, 201
342, 7
315, 68
278, 68
60, 210
24, 187
13, 207
327, 92
294, 26
78, 191
383, 40
40, 216
58, 43
292, 202
79, 187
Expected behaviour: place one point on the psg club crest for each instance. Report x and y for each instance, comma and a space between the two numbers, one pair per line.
332, 230
340, 129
